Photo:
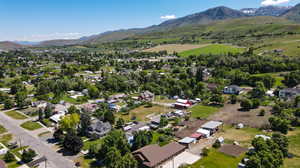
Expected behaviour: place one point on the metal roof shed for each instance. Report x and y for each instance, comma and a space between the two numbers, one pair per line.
211, 125
187, 140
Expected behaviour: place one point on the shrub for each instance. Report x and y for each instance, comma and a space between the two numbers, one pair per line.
9, 157
262, 112
217, 144
205, 152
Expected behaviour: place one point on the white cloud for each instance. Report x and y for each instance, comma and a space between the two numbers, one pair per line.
52, 36
273, 2
167, 17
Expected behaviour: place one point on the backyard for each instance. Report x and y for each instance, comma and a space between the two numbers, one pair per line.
202, 111
141, 113
217, 159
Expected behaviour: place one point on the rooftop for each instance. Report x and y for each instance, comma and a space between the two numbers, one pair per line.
153, 155
211, 125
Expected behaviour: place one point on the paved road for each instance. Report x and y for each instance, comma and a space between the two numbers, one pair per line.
55, 159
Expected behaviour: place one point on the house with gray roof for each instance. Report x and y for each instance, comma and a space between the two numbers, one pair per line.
233, 89
99, 128
289, 93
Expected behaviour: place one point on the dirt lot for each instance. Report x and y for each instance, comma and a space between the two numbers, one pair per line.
170, 48
233, 150
230, 114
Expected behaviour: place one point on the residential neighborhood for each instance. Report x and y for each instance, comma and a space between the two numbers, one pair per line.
218, 88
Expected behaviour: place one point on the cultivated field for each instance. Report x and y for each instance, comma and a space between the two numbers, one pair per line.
170, 48
214, 49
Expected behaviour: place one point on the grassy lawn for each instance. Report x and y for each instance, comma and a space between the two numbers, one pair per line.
202, 111
294, 147
142, 112
44, 133
16, 115
86, 162
5, 139
276, 76
31, 126
87, 144
2, 129
214, 49
11, 164
244, 136
217, 159
155, 139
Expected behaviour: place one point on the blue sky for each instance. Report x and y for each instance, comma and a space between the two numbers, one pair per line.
36, 20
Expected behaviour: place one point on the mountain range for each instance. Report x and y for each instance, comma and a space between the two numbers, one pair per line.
202, 18
266, 11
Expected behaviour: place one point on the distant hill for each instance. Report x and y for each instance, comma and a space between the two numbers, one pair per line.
7, 45
58, 43
198, 21
241, 31
208, 16
29, 43
266, 11
293, 14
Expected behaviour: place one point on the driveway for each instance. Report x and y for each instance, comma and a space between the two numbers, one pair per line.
55, 160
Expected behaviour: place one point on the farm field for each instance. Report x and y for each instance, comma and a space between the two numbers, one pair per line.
201, 111
213, 49
31, 126
216, 159
170, 48
15, 115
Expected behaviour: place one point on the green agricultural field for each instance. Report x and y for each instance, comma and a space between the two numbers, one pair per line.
31, 126
214, 49
217, 159
201, 111
16, 115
